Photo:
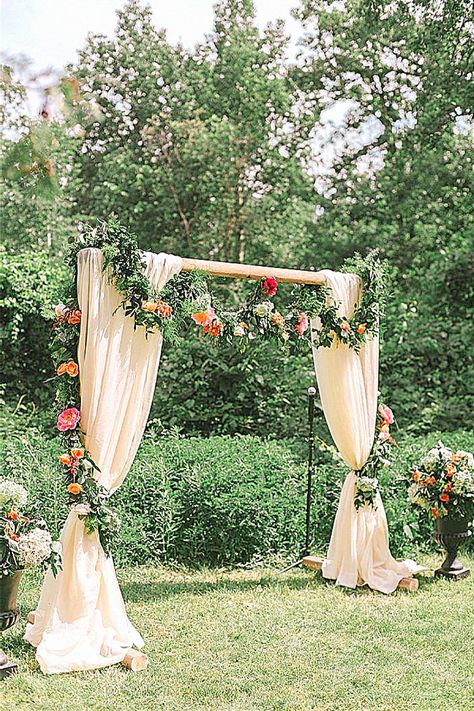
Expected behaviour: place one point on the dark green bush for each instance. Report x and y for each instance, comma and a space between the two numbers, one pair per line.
224, 500
30, 284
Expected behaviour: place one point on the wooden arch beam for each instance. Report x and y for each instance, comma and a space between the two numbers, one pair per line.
252, 271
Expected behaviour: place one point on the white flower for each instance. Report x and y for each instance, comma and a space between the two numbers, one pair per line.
468, 456
264, 308
60, 310
239, 331
414, 497
438, 456
285, 335
34, 547
82, 509
12, 495
463, 483
366, 485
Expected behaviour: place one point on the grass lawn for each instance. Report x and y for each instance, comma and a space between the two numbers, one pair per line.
251, 639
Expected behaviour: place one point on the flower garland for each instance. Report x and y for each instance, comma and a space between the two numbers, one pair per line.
367, 485
186, 299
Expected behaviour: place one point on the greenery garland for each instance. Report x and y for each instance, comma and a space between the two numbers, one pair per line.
186, 298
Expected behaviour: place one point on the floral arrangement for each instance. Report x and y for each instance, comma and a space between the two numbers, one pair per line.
85, 495
24, 539
442, 484
185, 300
367, 486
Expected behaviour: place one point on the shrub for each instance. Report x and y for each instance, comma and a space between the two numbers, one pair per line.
224, 500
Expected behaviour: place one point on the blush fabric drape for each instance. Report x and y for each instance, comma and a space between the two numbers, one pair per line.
348, 385
81, 622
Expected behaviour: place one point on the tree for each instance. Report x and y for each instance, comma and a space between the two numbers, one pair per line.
199, 152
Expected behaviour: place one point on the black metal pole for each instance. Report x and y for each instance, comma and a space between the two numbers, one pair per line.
309, 481
311, 396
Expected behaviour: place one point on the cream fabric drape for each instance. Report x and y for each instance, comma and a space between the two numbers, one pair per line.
81, 622
348, 382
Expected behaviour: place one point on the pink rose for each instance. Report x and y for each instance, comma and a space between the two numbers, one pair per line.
68, 419
270, 286
302, 324
386, 414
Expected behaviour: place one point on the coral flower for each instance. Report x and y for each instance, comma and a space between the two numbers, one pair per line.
214, 329
204, 318
302, 324
361, 328
77, 453
270, 286
74, 488
444, 497
13, 515
65, 459
416, 476
74, 317
435, 512
71, 368
149, 306
278, 319
68, 419
345, 325
164, 309
450, 469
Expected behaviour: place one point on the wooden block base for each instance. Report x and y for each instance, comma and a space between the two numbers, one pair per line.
133, 660
315, 563
7, 670
312, 562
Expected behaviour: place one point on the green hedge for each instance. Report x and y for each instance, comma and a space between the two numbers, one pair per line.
223, 500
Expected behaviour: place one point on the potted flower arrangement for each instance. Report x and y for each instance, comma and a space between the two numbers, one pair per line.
24, 542
443, 485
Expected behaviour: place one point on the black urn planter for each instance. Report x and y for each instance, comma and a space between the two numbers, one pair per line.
450, 533
9, 614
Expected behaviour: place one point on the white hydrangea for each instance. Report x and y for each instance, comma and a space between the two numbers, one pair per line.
34, 547
414, 497
365, 484
463, 483
436, 456
12, 495
264, 308
82, 509
468, 456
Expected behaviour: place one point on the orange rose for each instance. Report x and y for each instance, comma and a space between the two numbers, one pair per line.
416, 476
65, 459
74, 317
278, 319
77, 453
71, 368
444, 497
74, 488
13, 515
149, 306
361, 328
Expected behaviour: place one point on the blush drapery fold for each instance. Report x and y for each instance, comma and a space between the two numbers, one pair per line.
81, 622
358, 551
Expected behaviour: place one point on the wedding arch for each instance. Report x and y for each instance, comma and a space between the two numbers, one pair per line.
107, 342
